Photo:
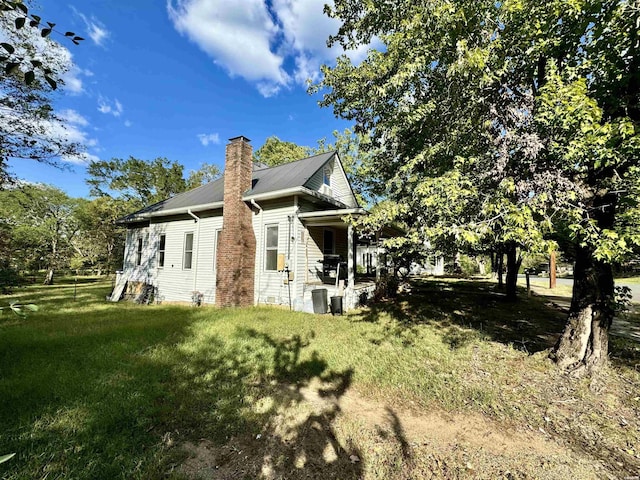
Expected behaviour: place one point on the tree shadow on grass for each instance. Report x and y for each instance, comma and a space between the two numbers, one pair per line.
108, 395
466, 309
276, 437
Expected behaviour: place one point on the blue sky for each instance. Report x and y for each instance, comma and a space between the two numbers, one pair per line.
176, 79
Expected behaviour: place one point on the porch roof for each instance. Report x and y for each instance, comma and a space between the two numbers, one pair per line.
330, 217
334, 218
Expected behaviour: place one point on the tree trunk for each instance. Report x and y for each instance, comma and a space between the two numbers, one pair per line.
499, 267
513, 265
481, 265
584, 344
585, 341
492, 256
48, 280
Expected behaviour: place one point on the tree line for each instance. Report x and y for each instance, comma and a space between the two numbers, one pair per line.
43, 228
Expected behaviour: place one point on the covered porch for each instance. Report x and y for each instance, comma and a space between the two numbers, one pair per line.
330, 260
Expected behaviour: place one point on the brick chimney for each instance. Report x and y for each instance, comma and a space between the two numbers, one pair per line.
236, 254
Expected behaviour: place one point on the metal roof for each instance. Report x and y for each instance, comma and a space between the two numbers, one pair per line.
266, 180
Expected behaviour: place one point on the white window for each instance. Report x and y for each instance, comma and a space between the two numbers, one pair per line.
139, 252
188, 251
326, 176
329, 243
271, 246
162, 243
216, 243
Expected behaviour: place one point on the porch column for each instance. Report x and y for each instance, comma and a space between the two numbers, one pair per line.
351, 260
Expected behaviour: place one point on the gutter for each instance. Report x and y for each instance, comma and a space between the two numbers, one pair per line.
215, 205
332, 213
172, 211
292, 191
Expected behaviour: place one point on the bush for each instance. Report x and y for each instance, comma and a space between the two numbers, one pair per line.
8, 279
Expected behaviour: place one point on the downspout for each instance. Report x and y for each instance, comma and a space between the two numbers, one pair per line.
260, 255
197, 250
296, 209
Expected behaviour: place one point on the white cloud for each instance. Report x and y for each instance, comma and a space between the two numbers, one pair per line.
238, 35
95, 28
106, 107
72, 130
72, 79
81, 159
255, 41
69, 127
268, 89
73, 117
209, 138
127, 123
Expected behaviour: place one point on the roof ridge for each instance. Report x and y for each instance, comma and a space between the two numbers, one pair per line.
301, 159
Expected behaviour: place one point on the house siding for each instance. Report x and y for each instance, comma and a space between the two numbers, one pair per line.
340, 189
301, 245
142, 272
340, 185
270, 285
173, 282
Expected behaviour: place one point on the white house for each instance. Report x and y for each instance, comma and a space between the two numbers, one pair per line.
256, 235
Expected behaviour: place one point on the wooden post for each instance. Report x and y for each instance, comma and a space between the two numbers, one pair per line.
351, 256
552, 270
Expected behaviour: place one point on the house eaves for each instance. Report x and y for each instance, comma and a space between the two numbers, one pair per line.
215, 205
333, 213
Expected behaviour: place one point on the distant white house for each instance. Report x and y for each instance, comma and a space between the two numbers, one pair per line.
256, 235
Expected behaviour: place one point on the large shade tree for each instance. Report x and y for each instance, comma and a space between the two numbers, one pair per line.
534, 105
42, 226
276, 152
100, 241
144, 182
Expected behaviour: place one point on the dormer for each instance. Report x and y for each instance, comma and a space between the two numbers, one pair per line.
331, 180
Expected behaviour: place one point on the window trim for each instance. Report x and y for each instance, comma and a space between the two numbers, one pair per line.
326, 175
185, 251
268, 248
139, 250
162, 250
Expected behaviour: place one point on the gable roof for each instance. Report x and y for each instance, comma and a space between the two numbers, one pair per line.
283, 178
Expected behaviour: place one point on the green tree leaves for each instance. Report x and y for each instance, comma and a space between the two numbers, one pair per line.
15, 19
276, 152
30, 67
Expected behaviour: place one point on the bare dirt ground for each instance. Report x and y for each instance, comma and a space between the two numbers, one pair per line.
351, 437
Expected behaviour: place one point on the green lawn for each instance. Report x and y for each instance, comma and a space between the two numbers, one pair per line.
98, 390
